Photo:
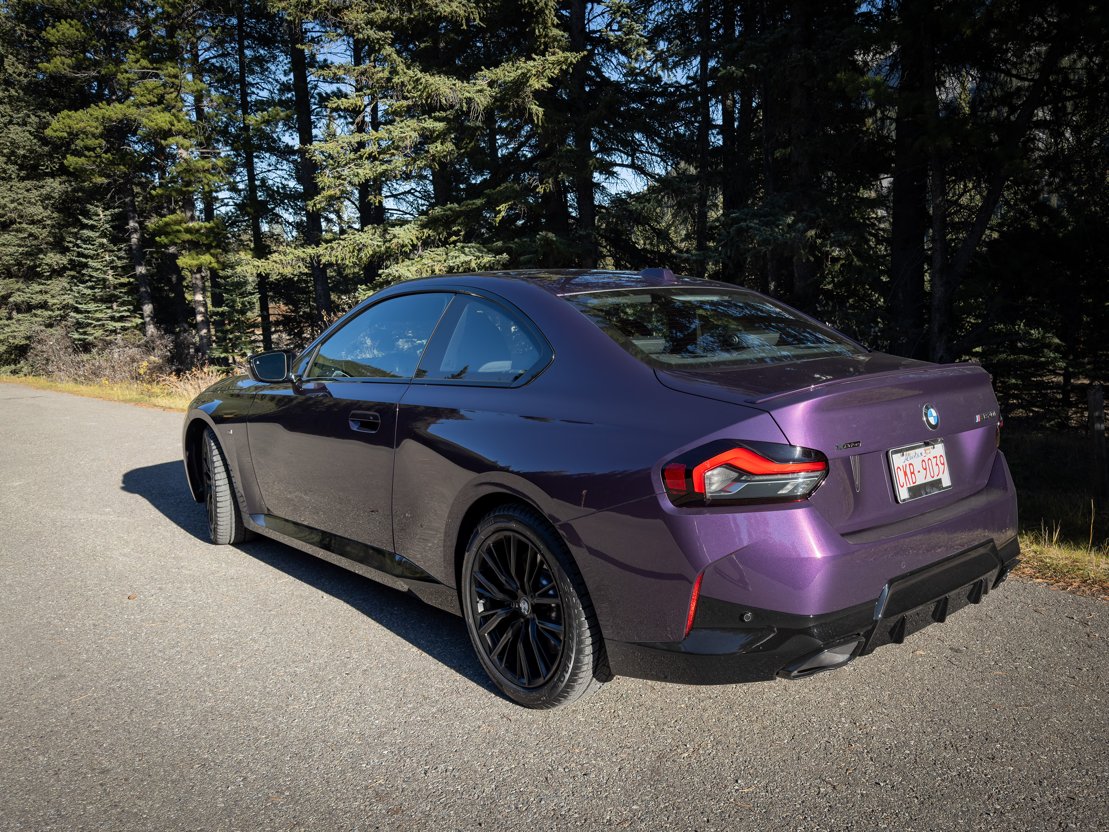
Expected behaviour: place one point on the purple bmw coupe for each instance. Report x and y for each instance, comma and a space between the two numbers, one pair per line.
619, 474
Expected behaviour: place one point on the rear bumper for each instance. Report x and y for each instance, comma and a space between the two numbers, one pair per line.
731, 643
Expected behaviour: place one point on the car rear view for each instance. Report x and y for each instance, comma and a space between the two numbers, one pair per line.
886, 507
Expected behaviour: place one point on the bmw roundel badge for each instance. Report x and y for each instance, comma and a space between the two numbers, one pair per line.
931, 417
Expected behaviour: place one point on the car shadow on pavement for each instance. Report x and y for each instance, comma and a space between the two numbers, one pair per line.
439, 634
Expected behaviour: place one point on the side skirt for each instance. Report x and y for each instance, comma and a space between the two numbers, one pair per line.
385, 567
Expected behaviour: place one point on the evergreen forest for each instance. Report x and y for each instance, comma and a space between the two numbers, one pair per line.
184, 183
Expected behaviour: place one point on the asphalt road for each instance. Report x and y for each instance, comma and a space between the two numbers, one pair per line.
151, 681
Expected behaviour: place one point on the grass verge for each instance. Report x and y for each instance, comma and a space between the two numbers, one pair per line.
1079, 569
1053, 514
1061, 544
155, 394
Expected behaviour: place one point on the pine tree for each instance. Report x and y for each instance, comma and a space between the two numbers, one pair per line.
439, 92
101, 301
34, 197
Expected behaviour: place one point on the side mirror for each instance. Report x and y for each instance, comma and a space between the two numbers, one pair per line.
270, 367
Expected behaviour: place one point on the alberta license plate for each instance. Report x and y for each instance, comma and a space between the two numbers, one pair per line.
919, 470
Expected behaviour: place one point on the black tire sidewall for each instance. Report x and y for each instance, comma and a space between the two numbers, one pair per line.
228, 526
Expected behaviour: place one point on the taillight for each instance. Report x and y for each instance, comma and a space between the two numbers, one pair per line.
734, 473
997, 433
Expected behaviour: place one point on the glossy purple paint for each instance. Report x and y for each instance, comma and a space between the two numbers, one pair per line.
585, 441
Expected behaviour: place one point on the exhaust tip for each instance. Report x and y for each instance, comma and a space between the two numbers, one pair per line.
828, 658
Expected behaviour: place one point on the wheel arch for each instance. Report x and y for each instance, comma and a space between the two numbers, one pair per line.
479, 506
193, 443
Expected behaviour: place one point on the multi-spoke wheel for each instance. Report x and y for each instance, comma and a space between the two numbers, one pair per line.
225, 523
527, 611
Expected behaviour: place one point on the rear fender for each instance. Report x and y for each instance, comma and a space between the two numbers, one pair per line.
482, 494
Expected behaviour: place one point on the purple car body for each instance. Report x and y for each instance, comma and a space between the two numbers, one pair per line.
391, 477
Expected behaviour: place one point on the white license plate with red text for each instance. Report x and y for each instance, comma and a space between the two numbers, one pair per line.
919, 470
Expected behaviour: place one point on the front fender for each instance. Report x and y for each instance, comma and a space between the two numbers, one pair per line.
224, 407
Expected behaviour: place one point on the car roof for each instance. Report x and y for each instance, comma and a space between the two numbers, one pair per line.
564, 282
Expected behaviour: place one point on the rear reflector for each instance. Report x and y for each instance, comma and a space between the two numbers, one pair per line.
731, 473
693, 604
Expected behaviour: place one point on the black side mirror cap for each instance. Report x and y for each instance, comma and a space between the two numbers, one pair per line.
270, 367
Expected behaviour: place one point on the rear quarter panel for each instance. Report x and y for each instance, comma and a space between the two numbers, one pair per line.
585, 436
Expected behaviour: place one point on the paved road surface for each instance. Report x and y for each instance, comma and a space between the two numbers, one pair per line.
150, 681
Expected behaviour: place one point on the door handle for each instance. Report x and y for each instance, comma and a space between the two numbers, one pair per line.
364, 421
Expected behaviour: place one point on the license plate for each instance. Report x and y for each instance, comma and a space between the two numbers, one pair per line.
919, 470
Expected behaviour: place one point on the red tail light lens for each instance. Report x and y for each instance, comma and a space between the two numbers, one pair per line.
732, 473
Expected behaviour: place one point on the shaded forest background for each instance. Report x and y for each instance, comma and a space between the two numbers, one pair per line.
183, 183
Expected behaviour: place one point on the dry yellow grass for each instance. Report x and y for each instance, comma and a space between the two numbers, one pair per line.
170, 393
1047, 559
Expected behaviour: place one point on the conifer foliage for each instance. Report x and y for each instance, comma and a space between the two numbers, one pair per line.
231, 176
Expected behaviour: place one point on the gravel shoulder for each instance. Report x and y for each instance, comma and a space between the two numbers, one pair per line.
149, 680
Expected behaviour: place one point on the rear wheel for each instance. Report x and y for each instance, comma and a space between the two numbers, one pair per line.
528, 613
225, 523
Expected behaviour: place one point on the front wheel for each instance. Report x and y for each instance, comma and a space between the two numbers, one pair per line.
528, 613
225, 523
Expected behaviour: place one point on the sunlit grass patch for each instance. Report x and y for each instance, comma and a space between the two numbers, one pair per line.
166, 392
1076, 568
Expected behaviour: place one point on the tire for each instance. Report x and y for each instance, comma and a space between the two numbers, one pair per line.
528, 613
225, 523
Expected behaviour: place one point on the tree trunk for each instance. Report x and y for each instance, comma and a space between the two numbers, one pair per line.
947, 279
198, 275
199, 293
704, 127
138, 262
737, 185
553, 207
771, 278
208, 206
371, 206
909, 221
253, 208
180, 305
728, 155
493, 148
552, 197
802, 132
302, 105
730, 181
200, 305
943, 300
584, 188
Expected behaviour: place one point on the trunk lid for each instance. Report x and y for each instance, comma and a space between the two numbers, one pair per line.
856, 410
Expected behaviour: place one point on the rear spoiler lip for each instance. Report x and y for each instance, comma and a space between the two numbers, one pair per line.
700, 386
935, 371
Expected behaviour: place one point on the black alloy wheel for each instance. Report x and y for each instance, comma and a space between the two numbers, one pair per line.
527, 611
518, 608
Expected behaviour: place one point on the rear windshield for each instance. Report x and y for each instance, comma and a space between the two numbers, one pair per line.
682, 327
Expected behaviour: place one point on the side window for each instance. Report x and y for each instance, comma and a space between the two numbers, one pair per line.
480, 341
385, 341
